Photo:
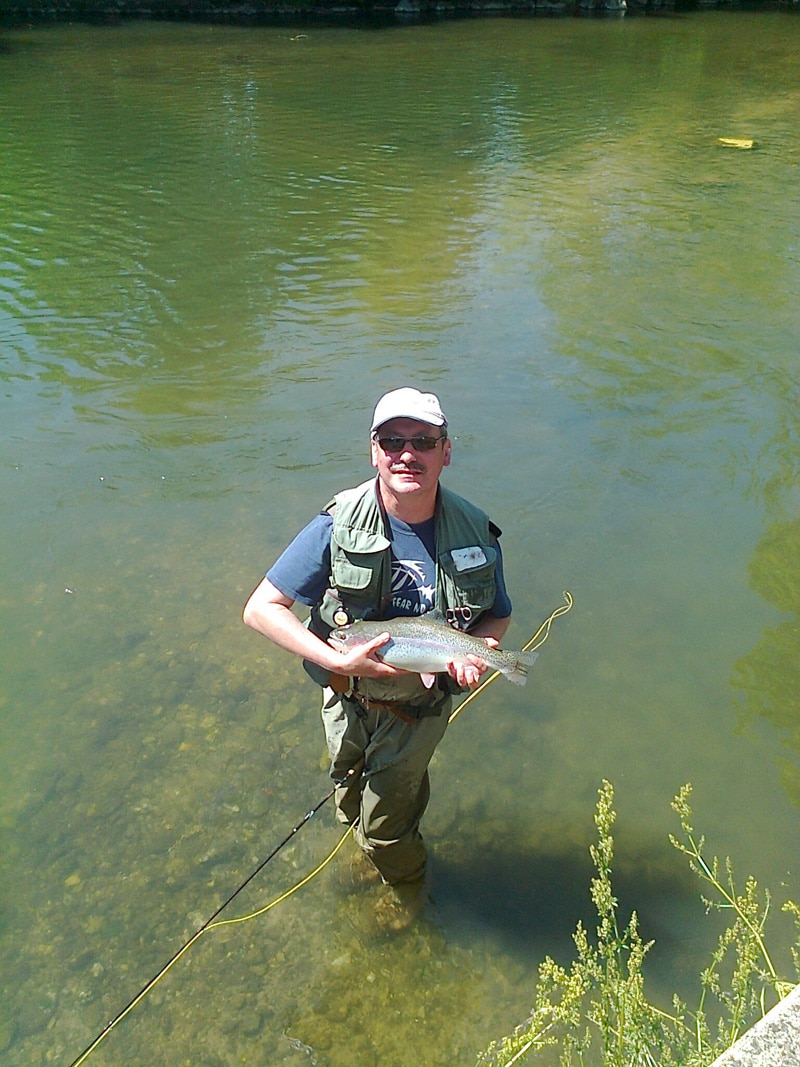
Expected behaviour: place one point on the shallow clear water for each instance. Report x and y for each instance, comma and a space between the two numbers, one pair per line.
219, 245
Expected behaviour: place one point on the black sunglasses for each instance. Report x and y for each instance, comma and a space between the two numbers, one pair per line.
419, 444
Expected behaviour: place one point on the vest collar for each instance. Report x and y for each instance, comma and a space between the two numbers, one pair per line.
363, 525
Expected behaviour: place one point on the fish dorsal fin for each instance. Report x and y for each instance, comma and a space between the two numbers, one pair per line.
434, 615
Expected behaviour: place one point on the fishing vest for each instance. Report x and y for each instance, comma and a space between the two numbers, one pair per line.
361, 562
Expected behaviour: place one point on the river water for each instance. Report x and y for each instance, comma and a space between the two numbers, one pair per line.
219, 245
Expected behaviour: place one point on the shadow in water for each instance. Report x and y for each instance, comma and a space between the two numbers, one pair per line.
527, 900
530, 901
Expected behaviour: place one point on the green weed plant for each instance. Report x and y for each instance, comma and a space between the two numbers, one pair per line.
596, 1010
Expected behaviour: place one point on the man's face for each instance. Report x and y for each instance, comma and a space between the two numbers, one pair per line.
409, 470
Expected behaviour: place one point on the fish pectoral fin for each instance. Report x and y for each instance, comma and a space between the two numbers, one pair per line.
428, 680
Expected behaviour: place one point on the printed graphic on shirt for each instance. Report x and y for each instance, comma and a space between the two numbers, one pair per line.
413, 567
413, 587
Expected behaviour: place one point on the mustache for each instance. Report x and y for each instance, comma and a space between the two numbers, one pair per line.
405, 468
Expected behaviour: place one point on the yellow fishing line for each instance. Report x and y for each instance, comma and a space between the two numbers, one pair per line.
535, 642
285, 896
137, 1000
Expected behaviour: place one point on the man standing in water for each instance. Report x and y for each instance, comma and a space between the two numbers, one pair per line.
400, 544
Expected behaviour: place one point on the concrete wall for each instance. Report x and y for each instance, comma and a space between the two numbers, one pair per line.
773, 1041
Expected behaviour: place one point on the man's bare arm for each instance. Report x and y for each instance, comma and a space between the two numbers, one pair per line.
269, 612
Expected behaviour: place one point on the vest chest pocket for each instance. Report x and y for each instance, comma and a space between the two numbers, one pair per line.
468, 578
357, 574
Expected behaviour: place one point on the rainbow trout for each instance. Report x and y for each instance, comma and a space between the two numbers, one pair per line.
426, 646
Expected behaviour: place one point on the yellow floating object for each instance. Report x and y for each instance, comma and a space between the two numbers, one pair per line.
736, 142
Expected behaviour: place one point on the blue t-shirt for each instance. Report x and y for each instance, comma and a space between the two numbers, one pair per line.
303, 571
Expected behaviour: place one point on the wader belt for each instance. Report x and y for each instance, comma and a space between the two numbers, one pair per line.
407, 712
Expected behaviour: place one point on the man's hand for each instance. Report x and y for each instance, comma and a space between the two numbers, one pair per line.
362, 661
470, 673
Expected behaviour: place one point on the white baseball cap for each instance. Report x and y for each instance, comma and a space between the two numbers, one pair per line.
408, 404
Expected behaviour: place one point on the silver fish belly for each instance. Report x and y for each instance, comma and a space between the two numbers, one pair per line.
427, 646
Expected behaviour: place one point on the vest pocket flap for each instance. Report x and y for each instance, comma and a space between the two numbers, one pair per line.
357, 542
355, 571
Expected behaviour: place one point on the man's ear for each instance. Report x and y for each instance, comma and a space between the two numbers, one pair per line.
447, 450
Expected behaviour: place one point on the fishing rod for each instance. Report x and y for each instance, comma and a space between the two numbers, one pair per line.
534, 643
206, 925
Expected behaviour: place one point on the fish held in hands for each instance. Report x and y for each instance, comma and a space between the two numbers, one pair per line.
427, 646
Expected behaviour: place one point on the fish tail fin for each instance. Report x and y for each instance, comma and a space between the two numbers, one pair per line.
519, 671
